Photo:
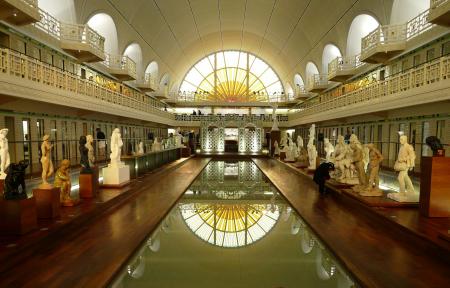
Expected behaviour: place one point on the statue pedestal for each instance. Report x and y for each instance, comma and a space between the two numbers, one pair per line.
2, 182
435, 187
116, 175
185, 151
47, 202
17, 216
404, 197
89, 184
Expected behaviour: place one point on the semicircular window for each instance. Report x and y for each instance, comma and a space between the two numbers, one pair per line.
229, 225
231, 76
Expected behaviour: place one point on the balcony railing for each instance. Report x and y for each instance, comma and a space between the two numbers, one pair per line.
423, 75
343, 67
440, 12
19, 12
229, 117
203, 96
120, 66
26, 68
48, 24
82, 41
383, 42
418, 25
317, 83
148, 83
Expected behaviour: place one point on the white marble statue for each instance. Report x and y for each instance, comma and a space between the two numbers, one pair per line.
140, 148
295, 150
178, 139
90, 146
290, 154
354, 139
116, 148
46, 161
156, 146
329, 149
342, 161
274, 119
276, 149
4, 153
300, 143
405, 162
283, 142
312, 151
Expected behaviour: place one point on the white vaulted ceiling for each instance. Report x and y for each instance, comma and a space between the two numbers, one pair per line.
285, 33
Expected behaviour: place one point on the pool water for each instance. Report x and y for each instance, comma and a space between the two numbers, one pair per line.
232, 228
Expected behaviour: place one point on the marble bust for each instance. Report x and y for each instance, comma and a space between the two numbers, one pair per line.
405, 162
46, 161
4, 153
116, 147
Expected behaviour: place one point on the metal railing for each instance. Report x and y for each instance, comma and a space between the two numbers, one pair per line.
122, 63
82, 33
150, 80
383, 35
203, 96
422, 75
344, 64
48, 24
436, 4
317, 81
229, 117
15, 64
418, 25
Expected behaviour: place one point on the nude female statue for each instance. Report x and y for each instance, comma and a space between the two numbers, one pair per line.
116, 147
46, 161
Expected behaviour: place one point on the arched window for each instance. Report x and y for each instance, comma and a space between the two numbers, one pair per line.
361, 26
134, 52
152, 69
105, 26
405, 10
231, 76
311, 69
330, 52
63, 10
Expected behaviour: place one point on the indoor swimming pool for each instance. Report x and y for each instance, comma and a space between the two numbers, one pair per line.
232, 228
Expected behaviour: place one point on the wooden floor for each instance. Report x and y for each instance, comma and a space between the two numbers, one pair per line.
90, 255
374, 255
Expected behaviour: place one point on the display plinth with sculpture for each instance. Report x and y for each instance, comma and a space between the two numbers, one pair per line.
88, 180
64, 184
117, 174
404, 163
17, 210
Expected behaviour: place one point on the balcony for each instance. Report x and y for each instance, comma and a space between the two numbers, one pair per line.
82, 42
121, 67
19, 12
148, 84
439, 12
300, 93
343, 68
317, 83
383, 43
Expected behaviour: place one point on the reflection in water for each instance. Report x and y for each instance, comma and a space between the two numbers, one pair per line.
231, 205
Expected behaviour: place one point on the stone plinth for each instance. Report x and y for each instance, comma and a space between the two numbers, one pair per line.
89, 184
47, 202
116, 175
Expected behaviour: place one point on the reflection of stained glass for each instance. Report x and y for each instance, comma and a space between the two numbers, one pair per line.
231, 76
229, 225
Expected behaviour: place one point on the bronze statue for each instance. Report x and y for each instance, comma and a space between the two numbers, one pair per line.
62, 181
84, 156
14, 186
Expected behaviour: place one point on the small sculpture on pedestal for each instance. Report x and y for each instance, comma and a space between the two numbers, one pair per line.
14, 188
62, 181
46, 161
4, 153
405, 162
376, 158
116, 148
84, 157
312, 151
329, 150
140, 148
276, 149
90, 147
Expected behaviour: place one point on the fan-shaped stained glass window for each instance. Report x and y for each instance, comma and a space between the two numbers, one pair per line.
229, 225
231, 76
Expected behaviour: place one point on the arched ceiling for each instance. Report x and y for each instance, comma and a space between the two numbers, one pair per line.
285, 33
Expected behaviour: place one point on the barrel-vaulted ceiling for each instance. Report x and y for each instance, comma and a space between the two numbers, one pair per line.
285, 33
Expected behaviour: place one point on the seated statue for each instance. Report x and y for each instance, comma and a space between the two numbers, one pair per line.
342, 160
14, 186
62, 181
